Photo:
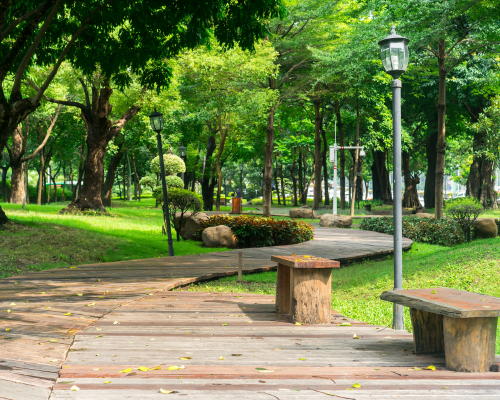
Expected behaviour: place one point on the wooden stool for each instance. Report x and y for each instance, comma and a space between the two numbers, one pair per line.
460, 324
304, 288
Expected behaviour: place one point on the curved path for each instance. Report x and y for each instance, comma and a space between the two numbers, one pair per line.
41, 312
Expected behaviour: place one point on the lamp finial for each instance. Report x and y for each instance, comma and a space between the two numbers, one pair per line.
393, 29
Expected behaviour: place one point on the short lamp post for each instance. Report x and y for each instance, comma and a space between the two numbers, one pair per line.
156, 121
395, 56
182, 154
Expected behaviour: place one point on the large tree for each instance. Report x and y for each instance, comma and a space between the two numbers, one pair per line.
120, 37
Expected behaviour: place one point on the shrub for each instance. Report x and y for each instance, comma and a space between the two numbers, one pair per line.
262, 231
497, 221
444, 231
173, 164
465, 211
181, 200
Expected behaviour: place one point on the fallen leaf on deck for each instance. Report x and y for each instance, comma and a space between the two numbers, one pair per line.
345, 324
53, 340
107, 382
175, 367
53, 360
433, 292
7, 329
79, 294
224, 324
431, 367
116, 323
67, 313
236, 355
355, 336
90, 304
155, 368
126, 370
185, 358
415, 369
298, 323
356, 385
74, 388
96, 369
277, 349
12, 304
302, 359
221, 358
167, 391
143, 369
9, 311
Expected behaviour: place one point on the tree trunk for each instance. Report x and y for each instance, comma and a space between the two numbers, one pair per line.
125, 187
64, 182
17, 194
441, 137
410, 197
342, 155
138, 190
430, 177
325, 166
268, 164
107, 188
100, 131
129, 179
5, 189
317, 154
294, 180
480, 183
3, 217
276, 182
40, 178
282, 184
80, 174
380, 176
223, 135
355, 159
305, 189
207, 183
301, 180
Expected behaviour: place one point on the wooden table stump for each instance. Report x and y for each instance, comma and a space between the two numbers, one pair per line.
304, 288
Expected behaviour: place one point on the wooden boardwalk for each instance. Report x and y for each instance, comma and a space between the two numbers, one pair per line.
59, 325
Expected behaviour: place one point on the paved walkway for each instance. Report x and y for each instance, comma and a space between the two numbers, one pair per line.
83, 325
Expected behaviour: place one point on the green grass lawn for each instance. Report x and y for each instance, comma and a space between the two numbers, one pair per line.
40, 238
356, 288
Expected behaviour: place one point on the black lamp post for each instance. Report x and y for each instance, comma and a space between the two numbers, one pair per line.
395, 56
182, 154
156, 121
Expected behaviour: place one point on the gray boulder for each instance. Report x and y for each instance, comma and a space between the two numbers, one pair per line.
424, 215
485, 228
335, 221
219, 236
190, 223
302, 213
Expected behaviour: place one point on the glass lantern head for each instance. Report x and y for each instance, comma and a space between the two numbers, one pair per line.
362, 153
394, 54
182, 151
156, 121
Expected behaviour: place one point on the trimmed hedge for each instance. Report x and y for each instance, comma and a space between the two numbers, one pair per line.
443, 231
261, 231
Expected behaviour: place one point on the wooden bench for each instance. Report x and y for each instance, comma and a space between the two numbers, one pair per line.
304, 288
460, 324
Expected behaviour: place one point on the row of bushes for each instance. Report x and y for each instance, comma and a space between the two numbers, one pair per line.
443, 231
261, 231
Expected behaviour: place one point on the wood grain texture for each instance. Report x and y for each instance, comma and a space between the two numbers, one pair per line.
283, 290
445, 301
427, 332
310, 295
469, 343
305, 261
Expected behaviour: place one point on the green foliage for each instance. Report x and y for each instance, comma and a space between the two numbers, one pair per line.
261, 232
179, 202
173, 164
465, 211
148, 182
444, 231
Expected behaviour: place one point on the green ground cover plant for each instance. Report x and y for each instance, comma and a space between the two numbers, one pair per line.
40, 238
356, 288
444, 231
